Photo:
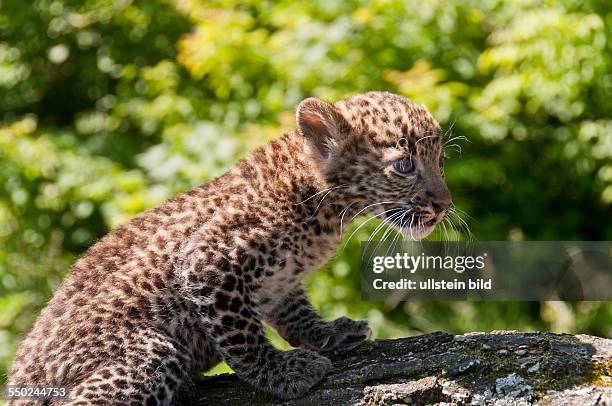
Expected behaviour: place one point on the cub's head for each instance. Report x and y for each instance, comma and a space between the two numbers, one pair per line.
383, 154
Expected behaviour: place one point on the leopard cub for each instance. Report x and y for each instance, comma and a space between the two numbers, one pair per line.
190, 283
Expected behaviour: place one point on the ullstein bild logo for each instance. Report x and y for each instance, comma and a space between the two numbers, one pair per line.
496, 270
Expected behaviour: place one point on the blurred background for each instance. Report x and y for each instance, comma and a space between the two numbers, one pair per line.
110, 107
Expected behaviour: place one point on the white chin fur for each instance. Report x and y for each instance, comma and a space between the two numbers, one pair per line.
415, 233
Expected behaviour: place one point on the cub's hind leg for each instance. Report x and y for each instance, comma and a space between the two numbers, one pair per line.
151, 373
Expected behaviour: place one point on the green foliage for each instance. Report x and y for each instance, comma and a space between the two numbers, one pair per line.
109, 107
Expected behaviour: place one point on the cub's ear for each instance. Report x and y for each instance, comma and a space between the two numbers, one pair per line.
321, 124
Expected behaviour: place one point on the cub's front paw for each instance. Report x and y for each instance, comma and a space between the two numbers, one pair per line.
295, 372
346, 334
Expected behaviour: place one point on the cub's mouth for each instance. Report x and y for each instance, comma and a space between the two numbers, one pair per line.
413, 224
431, 222
403, 217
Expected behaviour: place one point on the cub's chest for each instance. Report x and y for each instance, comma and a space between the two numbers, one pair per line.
295, 256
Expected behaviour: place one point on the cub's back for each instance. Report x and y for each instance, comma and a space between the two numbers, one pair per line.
111, 293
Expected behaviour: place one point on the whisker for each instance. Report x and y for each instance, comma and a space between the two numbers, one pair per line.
410, 227
398, 235
343, 213
456, 146
379, 227
388, 224
372, 205
321, 191
365, 222
454, 215
321, 201
449, 130
425, 137
462, 212
457, 138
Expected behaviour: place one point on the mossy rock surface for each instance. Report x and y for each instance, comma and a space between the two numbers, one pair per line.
497, 368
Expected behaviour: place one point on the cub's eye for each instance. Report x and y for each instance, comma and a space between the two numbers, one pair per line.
403, 166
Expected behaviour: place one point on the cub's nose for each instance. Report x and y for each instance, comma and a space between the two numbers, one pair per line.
440, 202
441, 205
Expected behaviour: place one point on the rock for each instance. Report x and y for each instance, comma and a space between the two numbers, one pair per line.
512, 386
590, 395
421, 392
499, 368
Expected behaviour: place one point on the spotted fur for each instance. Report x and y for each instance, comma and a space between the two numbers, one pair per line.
190, 283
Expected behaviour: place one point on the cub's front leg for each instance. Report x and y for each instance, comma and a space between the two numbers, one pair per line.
228, 312
298, 322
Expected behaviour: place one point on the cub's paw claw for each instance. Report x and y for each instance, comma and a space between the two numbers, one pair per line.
296, 372
348, 335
